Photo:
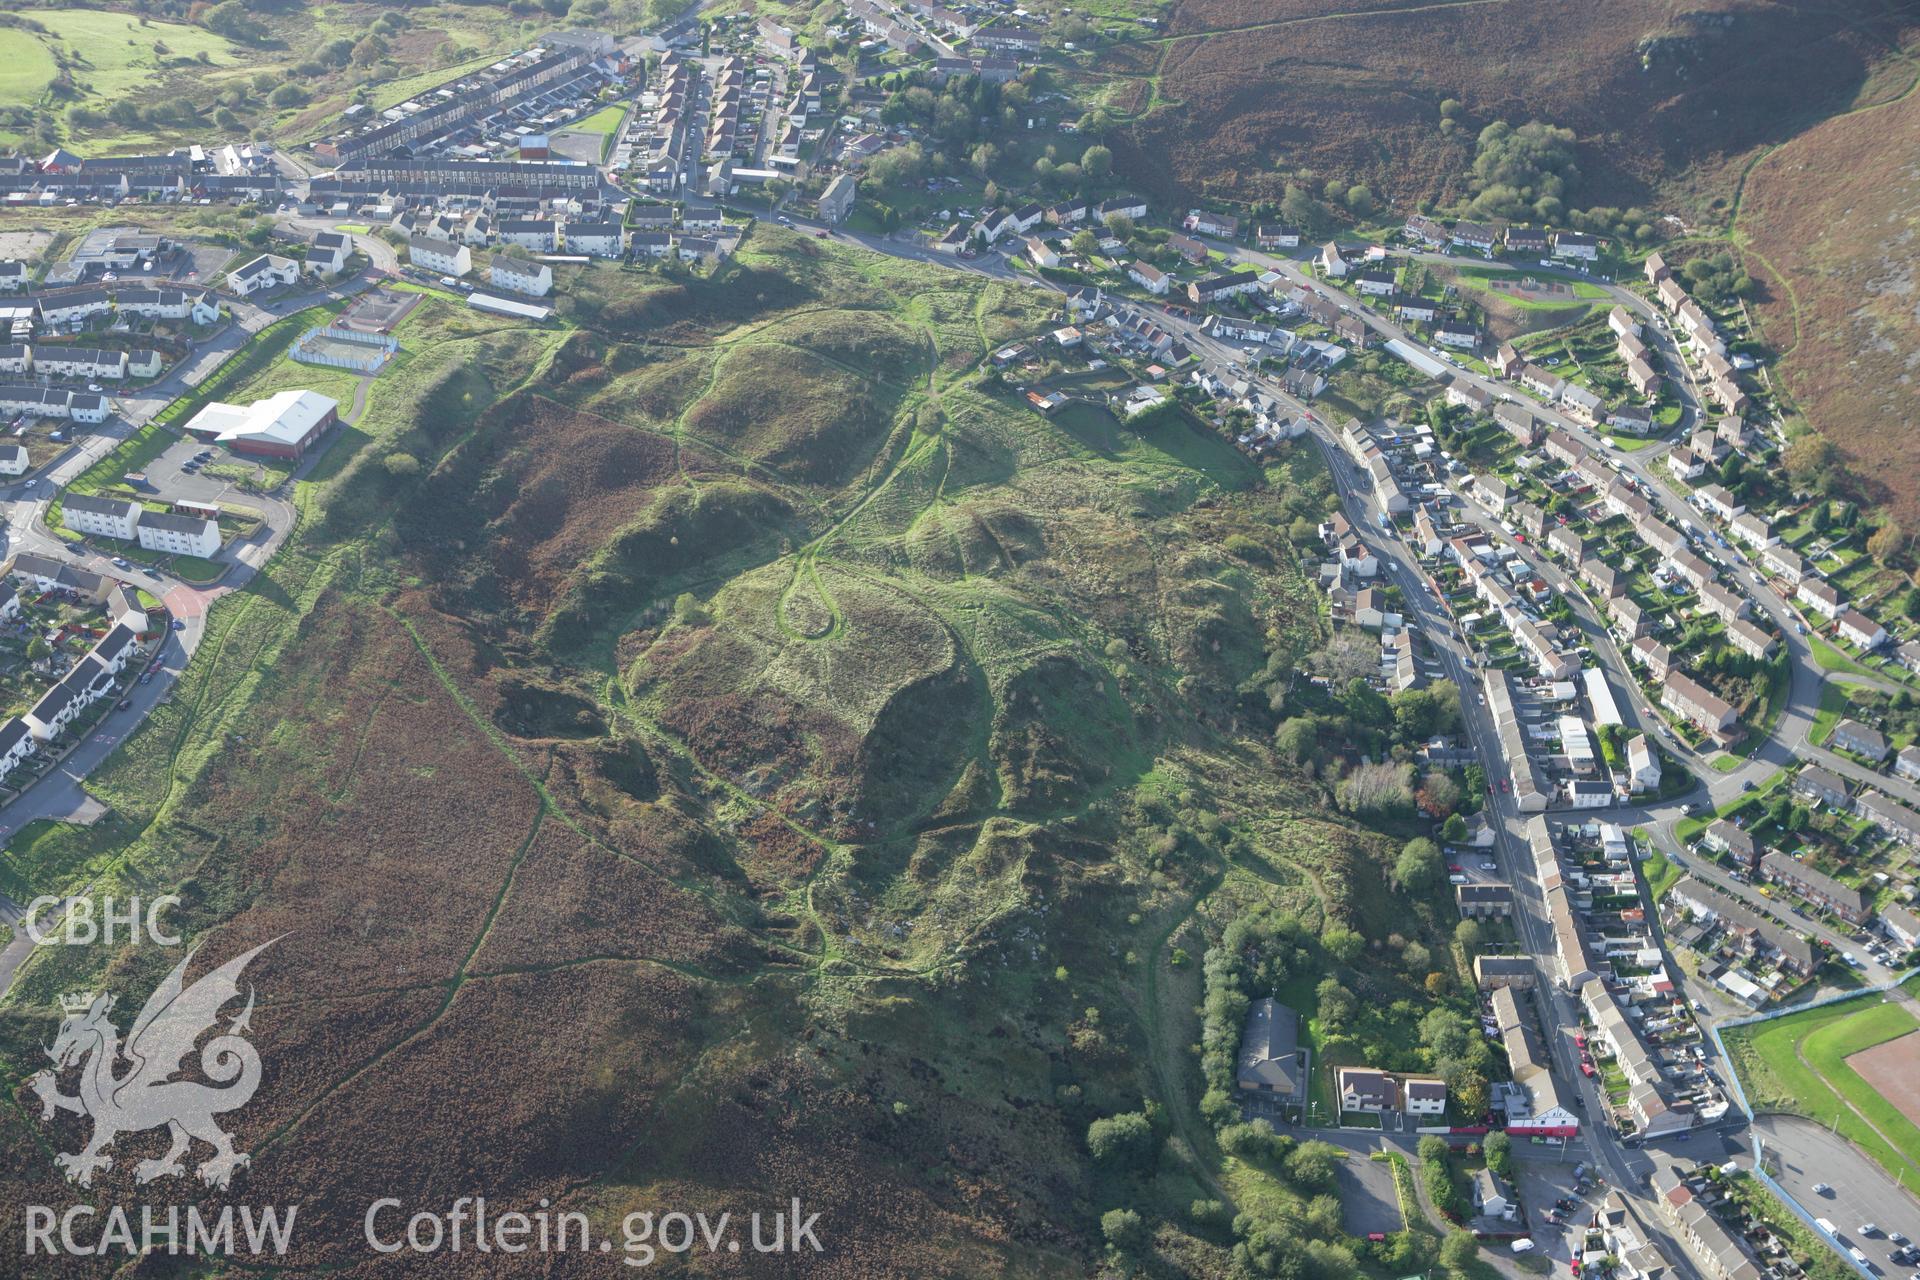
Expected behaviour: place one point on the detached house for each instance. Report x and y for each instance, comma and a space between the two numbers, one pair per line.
1643, 764
267, 271
1507, 361
1423, 1095
1363, 1089
1269, 1058
328, 252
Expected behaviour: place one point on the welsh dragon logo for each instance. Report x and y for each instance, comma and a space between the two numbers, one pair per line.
145, 1095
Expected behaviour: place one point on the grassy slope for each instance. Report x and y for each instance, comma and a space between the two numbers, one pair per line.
113, 56
26, 68
992, 639
117, 58
1803, 220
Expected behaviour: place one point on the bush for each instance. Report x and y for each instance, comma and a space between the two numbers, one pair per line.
1124, 1229
1311, 1165
1436, 1171
1253, 1141
1125, 1139
1240, 546
1521, 173
1499, 1152
1458, 1251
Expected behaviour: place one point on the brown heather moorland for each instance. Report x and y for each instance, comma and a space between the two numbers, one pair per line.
1667, 100
687, 802
1832, 219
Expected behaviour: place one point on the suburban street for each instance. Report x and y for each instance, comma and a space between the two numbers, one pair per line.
1626, 1168
1800, 1147
60, 794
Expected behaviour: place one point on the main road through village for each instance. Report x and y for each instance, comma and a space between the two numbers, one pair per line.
1793, 1146
60, 795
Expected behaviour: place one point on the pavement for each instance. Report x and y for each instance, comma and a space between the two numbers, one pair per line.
1369, 1202
1785, 746
1800, 1153
1623, 1167
60, 794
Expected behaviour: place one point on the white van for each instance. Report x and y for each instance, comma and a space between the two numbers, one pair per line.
1523, 1246
1826, 1226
